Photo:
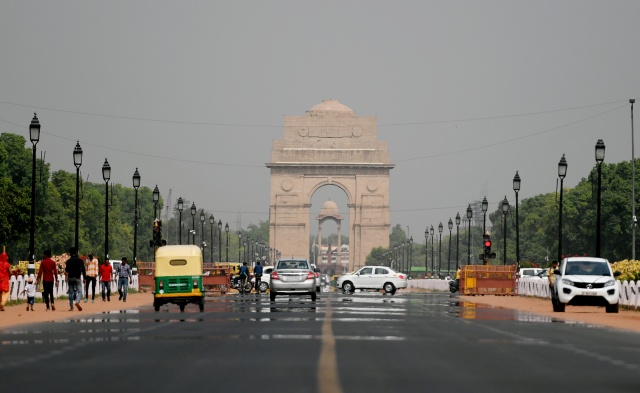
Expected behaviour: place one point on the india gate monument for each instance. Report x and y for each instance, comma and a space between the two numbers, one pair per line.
329, 145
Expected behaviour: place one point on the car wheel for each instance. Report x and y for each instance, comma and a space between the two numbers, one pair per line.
612, 308
347, 286
314, 296
182, 307
156, 305
389, 288
264, 286
201, 305
272, 296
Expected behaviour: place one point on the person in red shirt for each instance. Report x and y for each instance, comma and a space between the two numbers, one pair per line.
105, 279
48, 272
5, 276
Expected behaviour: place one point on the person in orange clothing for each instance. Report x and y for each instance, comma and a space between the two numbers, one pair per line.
106, 271
5, 276
48, 273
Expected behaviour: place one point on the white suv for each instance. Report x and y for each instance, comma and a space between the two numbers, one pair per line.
583, 281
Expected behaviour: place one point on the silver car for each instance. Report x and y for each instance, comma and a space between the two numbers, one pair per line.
293, 277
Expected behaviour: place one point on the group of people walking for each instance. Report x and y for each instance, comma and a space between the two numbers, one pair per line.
77, 271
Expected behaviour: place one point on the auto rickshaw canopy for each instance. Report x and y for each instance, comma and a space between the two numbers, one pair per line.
181, 260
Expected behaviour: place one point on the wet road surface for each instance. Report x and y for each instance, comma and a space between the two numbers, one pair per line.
364, 342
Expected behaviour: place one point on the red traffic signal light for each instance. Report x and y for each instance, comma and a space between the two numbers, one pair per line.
487, 243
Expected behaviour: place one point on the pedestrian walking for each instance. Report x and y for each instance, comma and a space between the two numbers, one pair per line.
74, 272
106, 271
92, 275
5, 276
30, 290
124, 279
48, 273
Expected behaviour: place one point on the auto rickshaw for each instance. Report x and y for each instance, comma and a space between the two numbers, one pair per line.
178, 276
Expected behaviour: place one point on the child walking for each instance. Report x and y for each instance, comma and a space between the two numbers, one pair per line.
30, 290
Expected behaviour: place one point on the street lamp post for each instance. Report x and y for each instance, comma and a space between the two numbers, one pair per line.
156, 199
244, 249
426, 251
202, 218
410, 253
449, 253
433, 254
226, 229
599, 158
34, 135
505, 210
194, 210
457, 239
440, 248
77, 161
136, 185
180, 207
212, 221
220, 241
516, 188
239, 243
469, 217
485, 207
633, 189
106, 175
562, 172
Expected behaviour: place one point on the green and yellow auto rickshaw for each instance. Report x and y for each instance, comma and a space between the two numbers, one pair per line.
178, 276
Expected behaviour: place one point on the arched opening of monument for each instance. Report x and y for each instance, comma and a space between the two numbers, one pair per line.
329, 220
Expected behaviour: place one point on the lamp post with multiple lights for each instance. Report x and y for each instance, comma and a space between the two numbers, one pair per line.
440, 248
433, 254
202, 218
194, 210
449, 253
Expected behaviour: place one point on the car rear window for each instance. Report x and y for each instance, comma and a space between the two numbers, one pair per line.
293, 265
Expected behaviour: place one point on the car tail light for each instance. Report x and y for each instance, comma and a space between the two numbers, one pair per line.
317, 275
161, 284
401, 276
311, 275
195, 283
274, 276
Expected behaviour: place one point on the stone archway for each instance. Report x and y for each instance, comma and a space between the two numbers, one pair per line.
329, 145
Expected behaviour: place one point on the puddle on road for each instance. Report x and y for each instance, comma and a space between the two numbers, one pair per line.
469, 310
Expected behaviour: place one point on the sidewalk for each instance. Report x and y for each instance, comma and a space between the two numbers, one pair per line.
17, 314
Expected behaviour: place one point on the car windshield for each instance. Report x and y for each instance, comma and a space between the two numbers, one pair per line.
587, 268
293, 265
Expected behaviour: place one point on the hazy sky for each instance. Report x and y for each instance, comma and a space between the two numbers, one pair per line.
193, 93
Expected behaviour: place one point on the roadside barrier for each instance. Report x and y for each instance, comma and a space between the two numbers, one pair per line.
18, 283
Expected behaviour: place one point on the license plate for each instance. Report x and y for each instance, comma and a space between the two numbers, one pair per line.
589, 294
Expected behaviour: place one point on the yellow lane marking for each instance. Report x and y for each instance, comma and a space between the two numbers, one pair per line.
327, 374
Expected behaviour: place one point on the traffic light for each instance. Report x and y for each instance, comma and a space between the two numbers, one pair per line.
486, 240
157, 234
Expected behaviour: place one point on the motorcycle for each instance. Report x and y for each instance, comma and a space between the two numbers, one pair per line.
235, 284
454, 286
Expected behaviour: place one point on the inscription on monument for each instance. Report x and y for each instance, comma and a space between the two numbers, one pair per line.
330, 132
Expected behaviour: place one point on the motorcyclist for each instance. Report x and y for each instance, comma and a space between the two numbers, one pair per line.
257, 271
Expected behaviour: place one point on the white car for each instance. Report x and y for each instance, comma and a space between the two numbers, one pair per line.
529, 272
265, 280
584, 281
373, 277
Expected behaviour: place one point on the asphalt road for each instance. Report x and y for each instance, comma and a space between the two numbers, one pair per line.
365, 342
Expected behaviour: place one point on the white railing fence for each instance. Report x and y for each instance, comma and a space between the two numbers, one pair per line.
629, 293
18, 283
